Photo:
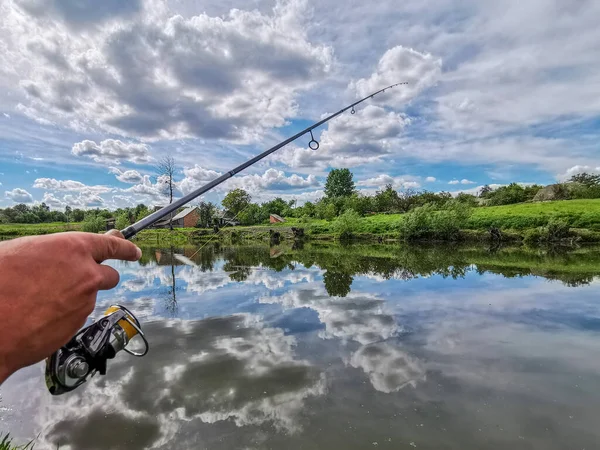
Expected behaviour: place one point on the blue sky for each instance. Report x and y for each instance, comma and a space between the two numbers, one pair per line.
93, 94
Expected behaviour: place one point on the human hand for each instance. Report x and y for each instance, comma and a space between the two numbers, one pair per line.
48, 288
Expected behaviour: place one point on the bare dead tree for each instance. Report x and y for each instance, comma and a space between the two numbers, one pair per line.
165, 169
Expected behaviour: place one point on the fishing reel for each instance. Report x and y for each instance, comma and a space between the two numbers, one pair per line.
88, 351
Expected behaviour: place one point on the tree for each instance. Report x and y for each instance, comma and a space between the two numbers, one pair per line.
586, 179
236, 200
387, 199
165, 169
339, 183
122, 221
207, 211
77, 215
485, 191
68, 212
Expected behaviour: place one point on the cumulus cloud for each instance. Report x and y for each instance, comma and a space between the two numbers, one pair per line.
463, 181
400, 182
400, 64
19, 195
127, 176
351, 140
113, 151
162, 75
271, 179
52, 184
52, 201
577, 169
430, 179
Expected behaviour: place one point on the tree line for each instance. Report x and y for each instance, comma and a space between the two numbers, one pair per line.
340, 196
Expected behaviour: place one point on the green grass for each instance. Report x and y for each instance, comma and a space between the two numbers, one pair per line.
580, 214
7, 444
577, 213
29, 229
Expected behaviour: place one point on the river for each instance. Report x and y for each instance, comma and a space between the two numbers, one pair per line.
328, 346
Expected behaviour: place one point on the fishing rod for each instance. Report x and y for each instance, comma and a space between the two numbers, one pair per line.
88, 351
149, 220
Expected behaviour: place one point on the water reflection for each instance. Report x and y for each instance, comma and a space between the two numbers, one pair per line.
230, 368
322, 346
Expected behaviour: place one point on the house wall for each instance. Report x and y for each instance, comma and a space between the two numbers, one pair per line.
191, 219
273, 220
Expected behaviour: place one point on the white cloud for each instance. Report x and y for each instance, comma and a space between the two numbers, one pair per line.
350, 140
127, 176
19, 195
113, 151
51, 184
156, 74
400, 64
399, 182
52, 201
577, 169
463, 181
271, 179
430, 179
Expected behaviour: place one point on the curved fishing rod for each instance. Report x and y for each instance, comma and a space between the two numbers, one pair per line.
132, 230
89, 350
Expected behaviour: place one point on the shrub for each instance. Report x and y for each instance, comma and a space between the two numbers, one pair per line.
122, 221
555, 231
417, 223
346, 224
427, 222
94, 224
447, 223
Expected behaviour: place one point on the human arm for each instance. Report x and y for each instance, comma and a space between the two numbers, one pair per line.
48, 288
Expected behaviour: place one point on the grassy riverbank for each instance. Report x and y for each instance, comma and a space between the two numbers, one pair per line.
515, 221
31, 229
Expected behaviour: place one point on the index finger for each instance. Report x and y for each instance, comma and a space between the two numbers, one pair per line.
104, 246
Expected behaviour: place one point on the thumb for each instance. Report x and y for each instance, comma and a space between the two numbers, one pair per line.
115, 233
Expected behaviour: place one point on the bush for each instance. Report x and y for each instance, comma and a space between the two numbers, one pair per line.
425, 222
94, 224
555, 231
122, 221
346, 225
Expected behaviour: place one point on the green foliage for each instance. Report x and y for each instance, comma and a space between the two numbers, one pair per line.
140, 211
586, 179
339, 183
122, 221
253, 214
346, 224
467, 199
325, 210
555, 231
387, 200
6, 443
428, 222
206, 214
77, 215
94, 224
278, 206
236, 200
580, 191
513, 193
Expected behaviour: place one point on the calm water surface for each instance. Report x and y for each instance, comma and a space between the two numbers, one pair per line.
326, 347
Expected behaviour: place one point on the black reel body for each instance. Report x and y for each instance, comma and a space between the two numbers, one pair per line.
88, 351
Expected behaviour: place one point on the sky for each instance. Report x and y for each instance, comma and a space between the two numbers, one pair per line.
93, 94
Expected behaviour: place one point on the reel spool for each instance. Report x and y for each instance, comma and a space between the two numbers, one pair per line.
87, 352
